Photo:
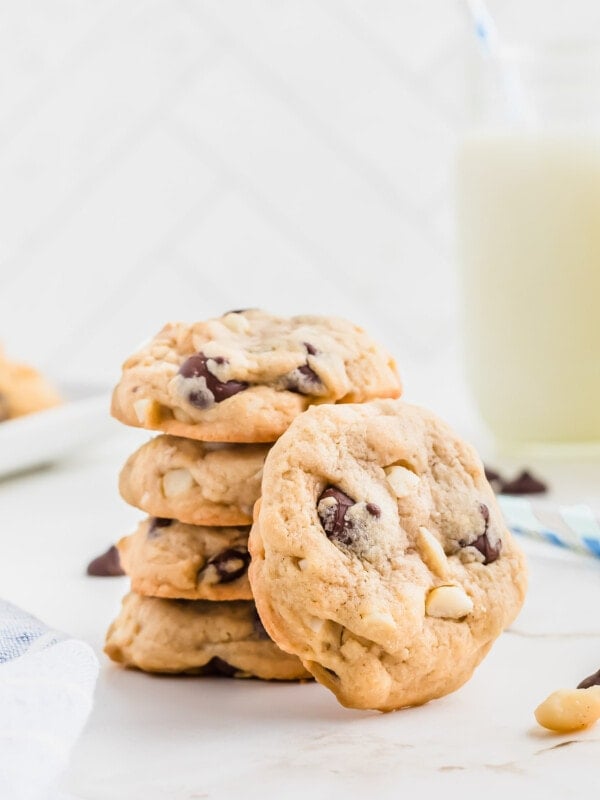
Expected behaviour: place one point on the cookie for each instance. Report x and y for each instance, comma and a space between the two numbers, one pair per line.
194, 482
197, 637
23, 390
165, 558
379, 554
245, 376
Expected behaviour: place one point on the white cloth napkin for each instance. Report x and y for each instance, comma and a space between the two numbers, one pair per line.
47, 683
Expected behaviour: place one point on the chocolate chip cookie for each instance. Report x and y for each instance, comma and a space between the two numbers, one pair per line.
379, 554
245, 376
197, 637
166, 558
195, 482
23, 390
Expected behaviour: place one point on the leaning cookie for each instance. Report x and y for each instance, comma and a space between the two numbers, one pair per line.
194, 482
165, 558
245, 376
379, 554
23, 390
197, 637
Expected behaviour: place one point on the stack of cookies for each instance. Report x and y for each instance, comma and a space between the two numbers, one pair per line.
220, 393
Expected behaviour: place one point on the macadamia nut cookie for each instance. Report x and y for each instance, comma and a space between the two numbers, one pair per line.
23, 390
197, 637
166, 558
194, 482
243, 377
379, 554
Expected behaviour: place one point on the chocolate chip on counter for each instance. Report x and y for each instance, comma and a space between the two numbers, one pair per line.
494, 479
230, 564
310, 349
525, 483
156, 523
236, 311
216, 391
333, 515
591, 680
259, 628
490, 552
303, 380
106, 565
216, 666
491, 474
374, 510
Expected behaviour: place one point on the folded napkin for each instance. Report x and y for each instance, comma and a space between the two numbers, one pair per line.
46, 687
573, 527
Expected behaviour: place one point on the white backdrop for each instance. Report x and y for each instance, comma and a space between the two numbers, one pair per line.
170, 159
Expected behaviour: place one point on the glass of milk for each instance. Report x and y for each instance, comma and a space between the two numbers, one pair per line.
528, 234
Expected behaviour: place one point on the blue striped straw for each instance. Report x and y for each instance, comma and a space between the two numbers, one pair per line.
573, 527
492, 47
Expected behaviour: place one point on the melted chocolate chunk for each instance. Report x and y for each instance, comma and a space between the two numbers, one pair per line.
374, 510
216, 666
230, 564
591, 680
259, 628
197, 367
108, 565
333, 515
525, 483
490, 552
303, 380
156, 524
310, 349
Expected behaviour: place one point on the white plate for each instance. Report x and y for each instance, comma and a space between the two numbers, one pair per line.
47, 436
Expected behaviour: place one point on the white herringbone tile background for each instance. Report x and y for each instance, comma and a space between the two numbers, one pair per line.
164, 159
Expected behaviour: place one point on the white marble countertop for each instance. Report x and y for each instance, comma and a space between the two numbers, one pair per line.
151, 738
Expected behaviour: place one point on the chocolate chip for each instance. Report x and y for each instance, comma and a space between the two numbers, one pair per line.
525, 483
373, 510
489, 551
106, 565
485, 513
156, 523
491, 474
230, 564
216, 391
310, 349
303, 380
259, 628
236, 311
333, 515
591, 680
216, 666
494, 479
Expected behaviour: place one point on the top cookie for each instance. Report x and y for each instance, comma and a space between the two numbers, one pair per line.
243, 377
379, 554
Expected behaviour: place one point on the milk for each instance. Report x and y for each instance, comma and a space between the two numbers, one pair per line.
529, 253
